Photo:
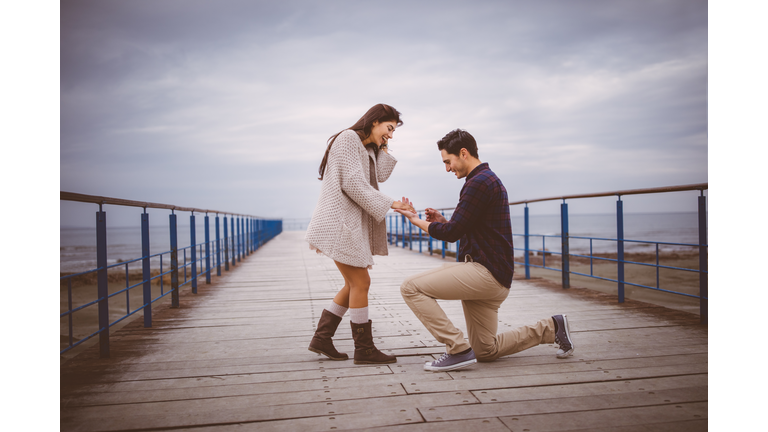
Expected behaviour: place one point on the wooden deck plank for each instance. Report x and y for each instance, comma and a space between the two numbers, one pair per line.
234, 357
611, 418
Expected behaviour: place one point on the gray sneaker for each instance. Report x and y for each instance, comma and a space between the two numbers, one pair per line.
449, 362
563, 336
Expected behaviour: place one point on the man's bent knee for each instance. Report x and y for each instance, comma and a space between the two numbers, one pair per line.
408, 288
486, 353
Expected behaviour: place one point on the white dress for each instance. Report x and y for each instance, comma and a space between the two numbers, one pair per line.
348, 223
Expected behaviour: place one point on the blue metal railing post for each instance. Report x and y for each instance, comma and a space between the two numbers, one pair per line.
145, 269
620, 247
226, 244
402, 225
419, 216
193, 247
527, 245
703, 261
234, 240
174, 262
207, 250
218, 248
565, 252
103, 282
410, 235
259, 232
431, 250
458, 246
238, 240
442, 212
247, 222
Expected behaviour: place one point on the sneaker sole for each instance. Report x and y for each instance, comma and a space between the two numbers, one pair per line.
332, 358
429, 367
568, 353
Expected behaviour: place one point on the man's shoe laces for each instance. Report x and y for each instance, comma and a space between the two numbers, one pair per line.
442, 357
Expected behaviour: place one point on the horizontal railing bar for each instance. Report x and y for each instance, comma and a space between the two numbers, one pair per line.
697, 186
94, 199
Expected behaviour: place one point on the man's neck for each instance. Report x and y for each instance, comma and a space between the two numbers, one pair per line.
472, 164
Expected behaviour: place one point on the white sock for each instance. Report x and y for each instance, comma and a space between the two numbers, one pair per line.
336, 309
359, 315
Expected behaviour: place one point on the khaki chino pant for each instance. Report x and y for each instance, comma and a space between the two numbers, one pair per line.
481, 295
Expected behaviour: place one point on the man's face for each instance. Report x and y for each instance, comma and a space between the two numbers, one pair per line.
456, 164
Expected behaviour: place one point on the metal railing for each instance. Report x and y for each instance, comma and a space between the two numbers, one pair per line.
242, 234
400, 230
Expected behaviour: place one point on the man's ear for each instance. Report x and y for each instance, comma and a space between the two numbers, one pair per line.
464, 153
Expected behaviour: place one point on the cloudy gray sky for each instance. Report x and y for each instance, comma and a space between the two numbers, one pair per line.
228, 104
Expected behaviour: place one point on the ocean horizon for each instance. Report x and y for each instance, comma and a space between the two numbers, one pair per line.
674, 230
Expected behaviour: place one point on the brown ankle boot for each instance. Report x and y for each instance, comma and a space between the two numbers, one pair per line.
321, 343
365, 351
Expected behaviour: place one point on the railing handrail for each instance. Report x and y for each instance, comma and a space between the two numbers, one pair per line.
696, 186
72, 196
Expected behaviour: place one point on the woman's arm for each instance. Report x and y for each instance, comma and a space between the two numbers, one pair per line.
345, 160
385, 164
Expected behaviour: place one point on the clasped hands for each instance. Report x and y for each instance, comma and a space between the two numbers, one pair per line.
406, 209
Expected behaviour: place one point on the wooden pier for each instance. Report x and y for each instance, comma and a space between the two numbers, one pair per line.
234, 358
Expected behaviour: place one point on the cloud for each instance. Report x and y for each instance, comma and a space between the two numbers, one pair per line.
165, 99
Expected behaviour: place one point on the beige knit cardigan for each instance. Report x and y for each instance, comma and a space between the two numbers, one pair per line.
348, 223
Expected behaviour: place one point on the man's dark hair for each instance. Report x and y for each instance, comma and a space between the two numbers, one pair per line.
457, 139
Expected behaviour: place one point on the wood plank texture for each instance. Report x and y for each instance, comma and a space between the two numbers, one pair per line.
234, 357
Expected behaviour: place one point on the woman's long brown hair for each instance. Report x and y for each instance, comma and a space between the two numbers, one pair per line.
378, 113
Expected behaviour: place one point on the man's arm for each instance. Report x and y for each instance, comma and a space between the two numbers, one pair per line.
414, 218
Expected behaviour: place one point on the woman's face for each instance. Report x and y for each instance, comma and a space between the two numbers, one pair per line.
381, 133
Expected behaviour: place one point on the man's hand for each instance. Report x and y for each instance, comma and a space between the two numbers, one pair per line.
434, 216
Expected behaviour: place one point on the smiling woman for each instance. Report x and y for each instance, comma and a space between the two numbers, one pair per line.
348, 225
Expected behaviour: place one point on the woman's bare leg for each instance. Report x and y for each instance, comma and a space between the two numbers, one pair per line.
357, 282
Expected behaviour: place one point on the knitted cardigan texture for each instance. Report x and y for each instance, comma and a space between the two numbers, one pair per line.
348, 222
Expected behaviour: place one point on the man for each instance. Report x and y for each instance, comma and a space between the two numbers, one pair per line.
481, 223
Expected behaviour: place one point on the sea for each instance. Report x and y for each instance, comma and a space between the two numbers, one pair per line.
647, 231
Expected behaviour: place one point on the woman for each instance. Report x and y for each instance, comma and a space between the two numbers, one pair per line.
348, 225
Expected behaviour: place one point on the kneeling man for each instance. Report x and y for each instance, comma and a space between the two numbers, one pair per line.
481, 223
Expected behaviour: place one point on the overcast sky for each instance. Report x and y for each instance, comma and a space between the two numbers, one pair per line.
228, 104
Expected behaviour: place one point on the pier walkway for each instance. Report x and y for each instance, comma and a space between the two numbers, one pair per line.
234, 357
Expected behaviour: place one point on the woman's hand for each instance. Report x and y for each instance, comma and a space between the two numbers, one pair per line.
403, 205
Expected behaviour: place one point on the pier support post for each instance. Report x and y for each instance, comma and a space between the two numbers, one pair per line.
103, 282
620, 247
174, 262
145, 269
565, 252
703, 261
